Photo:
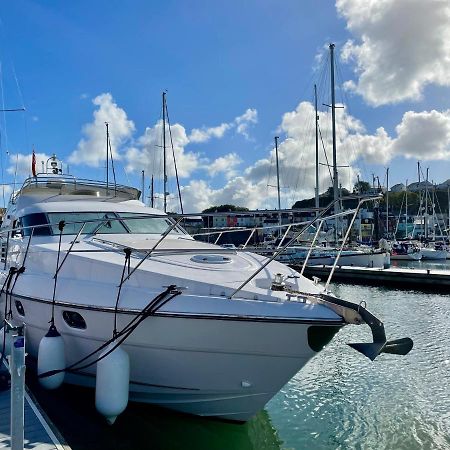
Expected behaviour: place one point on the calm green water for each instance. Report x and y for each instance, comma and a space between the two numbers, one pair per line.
340, 400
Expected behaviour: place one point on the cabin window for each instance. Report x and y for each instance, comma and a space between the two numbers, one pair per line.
74, 320
31, 220
19, 308
137, 223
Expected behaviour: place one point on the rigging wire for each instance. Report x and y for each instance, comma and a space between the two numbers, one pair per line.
5, 133
174, 160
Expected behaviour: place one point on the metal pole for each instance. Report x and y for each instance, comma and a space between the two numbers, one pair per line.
406, 209
107, 157
333, 124
143, 188
17, 370
387, 203
448, 199
278, 180
317, 151
305, 262
425, 219
164, 151
152, 197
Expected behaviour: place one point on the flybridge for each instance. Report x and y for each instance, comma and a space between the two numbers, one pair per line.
48, 185
53, 182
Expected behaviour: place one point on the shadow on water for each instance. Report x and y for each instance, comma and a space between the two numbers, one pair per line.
141, 426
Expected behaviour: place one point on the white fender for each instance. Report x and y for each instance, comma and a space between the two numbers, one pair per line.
112, 383
51, 356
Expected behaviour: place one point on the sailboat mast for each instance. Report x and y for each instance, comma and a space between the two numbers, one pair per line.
406, 209
107, 157
152, 197
448, 200
387, 202
426, 206
317, 150
164, 150
143, 188
333, 125
278, 181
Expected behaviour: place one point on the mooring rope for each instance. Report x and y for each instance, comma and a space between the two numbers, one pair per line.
152, 307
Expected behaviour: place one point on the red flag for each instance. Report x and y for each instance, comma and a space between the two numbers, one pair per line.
33, 164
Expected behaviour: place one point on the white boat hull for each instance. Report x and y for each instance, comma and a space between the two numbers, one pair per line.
381, 260
431, 254
228, 368
416, 256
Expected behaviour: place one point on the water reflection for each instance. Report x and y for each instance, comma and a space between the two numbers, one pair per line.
340, 400
142, 426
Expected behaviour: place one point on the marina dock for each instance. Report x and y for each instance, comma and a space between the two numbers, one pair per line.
404, 278
40, 434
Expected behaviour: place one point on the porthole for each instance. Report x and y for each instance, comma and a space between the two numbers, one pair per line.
74, 320
19, 308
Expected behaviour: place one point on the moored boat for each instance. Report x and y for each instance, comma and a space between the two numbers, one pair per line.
208, 330
405, 251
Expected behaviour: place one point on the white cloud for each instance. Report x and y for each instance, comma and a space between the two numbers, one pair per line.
199, 135
147, 153
198, 195
399, 47
239, 123
23, 163
225, 164
91, 148
242, 122
424, 135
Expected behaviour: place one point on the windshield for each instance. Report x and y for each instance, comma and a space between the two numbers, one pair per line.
139, 223
98, 223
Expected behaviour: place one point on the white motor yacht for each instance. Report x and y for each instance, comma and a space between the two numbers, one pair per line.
208, 330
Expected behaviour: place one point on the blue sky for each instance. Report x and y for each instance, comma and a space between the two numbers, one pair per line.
236, 71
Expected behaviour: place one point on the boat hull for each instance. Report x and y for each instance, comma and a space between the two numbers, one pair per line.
358, 259
416, 256
208, 366
433, 254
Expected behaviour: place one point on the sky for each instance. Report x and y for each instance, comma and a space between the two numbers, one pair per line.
236, 74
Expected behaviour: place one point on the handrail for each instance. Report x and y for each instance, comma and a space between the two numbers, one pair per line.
311, 247
330, 276
166, 233
278, 252
316, 219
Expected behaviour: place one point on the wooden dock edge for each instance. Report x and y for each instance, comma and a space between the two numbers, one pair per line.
413, 279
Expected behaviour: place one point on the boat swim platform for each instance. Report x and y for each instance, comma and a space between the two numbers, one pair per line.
40, 433
399, 277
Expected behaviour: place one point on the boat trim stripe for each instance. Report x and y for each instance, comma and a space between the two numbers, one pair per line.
321, 321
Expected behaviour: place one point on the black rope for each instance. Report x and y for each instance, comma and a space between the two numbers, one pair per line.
19, 271
151, 308
12, 271
61, 225
125, 265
